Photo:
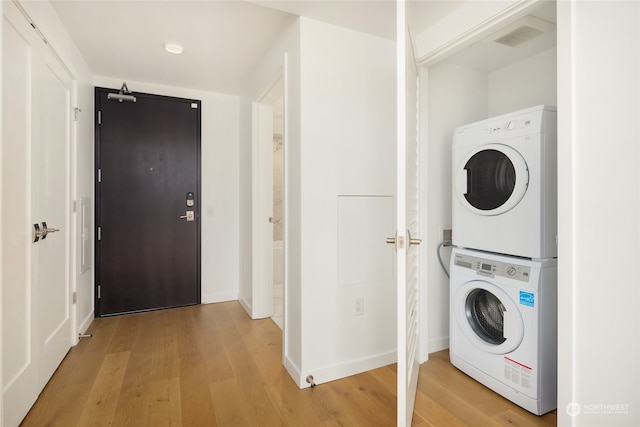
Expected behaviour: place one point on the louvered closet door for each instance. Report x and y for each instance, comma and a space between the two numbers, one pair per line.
407, 224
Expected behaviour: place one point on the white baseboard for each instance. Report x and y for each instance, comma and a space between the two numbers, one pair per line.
294, 371
247, 307
214, 298
438, 344
343, 370
84, 325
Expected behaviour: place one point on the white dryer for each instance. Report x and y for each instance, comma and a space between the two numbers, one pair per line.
503, 325
504, 184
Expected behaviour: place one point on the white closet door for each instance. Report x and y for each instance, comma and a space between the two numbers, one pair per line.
51, 204
407, 223
37, 331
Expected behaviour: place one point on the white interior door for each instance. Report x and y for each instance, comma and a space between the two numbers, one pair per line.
262, 272
51, 204
37, 331
407, 221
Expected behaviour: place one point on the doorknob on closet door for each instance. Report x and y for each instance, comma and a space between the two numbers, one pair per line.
412, 241
46, 230
40, 231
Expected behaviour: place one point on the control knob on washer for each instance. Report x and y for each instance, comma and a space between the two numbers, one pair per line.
511, 271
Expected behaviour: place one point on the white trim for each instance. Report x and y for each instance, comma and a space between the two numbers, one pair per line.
438, 344
294, 372
84, 325
219, 297
485, 20
343, 370
1, 257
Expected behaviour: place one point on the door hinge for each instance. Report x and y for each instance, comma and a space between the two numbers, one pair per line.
99, 289
74, 206
74, 298
99, 175
99, 117
76, 114
99, 233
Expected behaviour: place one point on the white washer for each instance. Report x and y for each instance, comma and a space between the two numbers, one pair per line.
504, 184
503, 325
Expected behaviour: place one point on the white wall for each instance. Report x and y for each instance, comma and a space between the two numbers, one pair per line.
454, 96
599, 213
524, 84
220, 184
347, 148
287, 42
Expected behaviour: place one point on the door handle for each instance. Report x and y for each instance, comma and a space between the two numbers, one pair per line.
46, 230
412, 241
189, 216
397, 241
400, 241
40, 231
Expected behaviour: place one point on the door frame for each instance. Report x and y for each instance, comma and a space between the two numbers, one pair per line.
198, 206
482, 26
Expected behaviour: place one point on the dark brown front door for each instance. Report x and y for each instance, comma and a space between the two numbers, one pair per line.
147, 178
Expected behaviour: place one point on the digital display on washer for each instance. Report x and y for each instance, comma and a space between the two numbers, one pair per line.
463, 264
486, 267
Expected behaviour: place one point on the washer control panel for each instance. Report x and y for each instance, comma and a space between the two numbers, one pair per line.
491, 268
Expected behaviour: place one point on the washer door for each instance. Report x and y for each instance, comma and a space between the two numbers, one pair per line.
488, 317
492, 179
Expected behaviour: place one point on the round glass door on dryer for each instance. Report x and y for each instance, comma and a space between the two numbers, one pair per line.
492, 180
504, 184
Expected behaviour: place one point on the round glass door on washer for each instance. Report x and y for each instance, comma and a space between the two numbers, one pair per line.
504, 184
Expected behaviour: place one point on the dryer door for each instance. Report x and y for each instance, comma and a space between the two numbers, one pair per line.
488, 316
491, 179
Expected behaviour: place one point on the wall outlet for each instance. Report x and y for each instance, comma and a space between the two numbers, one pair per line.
358, 306
447, 235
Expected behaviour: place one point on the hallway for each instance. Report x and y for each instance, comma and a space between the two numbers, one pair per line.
210, 365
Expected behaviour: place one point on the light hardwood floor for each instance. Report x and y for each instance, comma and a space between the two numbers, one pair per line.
211, 365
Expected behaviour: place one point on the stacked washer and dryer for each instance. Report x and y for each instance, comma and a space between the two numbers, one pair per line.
503, 273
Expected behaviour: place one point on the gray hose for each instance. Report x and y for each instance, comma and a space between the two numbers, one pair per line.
443, 243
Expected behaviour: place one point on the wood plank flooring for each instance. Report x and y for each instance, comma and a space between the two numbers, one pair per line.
211, 365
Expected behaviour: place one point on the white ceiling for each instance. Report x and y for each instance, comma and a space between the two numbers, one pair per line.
223, 40
487, 55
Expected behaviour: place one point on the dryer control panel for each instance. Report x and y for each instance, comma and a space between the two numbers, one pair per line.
491, 268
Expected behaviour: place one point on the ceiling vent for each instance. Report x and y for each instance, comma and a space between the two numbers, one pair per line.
519, 36
522, 31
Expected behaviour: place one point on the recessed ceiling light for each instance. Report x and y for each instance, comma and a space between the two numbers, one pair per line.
173, 48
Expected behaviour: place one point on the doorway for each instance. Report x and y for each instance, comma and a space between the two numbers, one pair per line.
147, 202
269, 203
278, 207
